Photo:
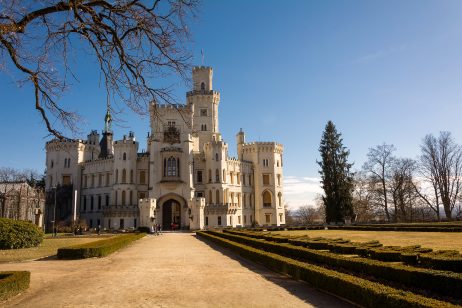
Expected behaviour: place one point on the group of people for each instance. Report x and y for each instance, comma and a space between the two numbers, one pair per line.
156, 229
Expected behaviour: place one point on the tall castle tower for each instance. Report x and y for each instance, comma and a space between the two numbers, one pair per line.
204, 101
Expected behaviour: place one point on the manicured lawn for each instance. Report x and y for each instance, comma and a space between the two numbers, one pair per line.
49, 247
435, 240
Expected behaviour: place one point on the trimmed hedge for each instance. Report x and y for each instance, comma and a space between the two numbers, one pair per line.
442, 261
363, 292
16, 234
99, 248
12, 283
439, 282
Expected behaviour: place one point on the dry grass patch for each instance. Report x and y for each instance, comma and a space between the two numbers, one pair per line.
435, 240
49, 247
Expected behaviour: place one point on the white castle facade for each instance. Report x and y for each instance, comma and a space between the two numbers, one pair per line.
185, 177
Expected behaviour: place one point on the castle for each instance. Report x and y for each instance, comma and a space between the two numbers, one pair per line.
185, 177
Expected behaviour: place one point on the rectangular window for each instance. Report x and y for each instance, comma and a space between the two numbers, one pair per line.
134, 223
245, 219
238, 178
239, 219
219, 220
266, 179
107, 179
203, 127
203, 112
121, 226
107, 200
93, 180
279, 180
171, 123
199, 194
98, 222
268, 218
84, 203
91, 203
199, 176
99, 202
280, 217
142, 177
250, 180
243, 179
91, 223
100, 180
142, 195
206, 220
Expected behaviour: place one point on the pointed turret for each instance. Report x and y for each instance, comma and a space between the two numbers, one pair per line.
106, 141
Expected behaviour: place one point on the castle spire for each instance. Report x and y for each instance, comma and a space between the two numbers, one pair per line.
108, 120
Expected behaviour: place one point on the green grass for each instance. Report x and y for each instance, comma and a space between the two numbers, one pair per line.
435, 240
49, 247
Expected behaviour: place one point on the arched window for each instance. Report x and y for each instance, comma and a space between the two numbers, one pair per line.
52, 163
125, 156
172, 166
216, 156
280, 199
224, 176
131, 197
210, 175
131, 176
65, 162
210, 197
217, 196
217, 176
68, 162
202, 86
267, 199
165, 167
123, 197
124, 176
116, 180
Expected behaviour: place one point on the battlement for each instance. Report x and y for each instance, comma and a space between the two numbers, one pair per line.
202, 92
263, 146
198, 68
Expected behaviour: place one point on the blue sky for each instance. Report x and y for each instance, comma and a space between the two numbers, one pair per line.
382, 71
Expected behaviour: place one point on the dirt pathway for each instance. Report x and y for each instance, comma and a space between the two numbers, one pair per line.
172, 270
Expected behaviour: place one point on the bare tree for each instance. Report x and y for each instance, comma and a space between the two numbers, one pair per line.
305, 215
378, 166
441, 169
133, 42
363, 198
402, 189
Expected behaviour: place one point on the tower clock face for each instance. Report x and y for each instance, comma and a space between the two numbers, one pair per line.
172, 135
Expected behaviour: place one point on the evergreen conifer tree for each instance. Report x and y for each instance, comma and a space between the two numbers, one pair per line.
336, 178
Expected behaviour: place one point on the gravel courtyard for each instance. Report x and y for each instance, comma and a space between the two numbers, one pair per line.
172, 270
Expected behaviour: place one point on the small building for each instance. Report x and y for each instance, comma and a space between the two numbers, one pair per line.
21, 201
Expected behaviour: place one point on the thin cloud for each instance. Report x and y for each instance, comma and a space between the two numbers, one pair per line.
301, 191
380, 54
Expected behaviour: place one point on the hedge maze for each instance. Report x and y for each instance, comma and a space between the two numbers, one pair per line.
369, 274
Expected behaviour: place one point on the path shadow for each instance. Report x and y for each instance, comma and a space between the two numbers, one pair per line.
300, 289
49, 258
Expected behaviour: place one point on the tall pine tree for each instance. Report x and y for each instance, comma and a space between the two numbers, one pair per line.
336, 178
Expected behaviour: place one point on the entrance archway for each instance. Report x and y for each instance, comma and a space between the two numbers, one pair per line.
171, 214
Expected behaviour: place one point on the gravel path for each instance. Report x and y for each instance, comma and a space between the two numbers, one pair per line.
172, 270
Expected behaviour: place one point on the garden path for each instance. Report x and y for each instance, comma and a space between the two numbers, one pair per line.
172, 270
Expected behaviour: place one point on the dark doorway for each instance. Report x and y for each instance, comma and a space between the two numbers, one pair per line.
171, 215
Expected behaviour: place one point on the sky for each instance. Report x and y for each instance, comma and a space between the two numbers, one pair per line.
382, 71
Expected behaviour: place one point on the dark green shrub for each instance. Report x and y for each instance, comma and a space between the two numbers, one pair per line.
363, 292
16, 234
344, 248
12, 283
409, 258
445, 262
99, 248
384, 254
